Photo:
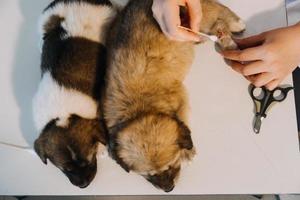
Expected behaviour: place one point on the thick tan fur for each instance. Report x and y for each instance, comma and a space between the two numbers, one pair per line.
145, 102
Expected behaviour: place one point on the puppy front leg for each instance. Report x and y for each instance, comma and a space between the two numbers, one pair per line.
185, 139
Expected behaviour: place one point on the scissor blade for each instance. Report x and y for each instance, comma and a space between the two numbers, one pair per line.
257, 124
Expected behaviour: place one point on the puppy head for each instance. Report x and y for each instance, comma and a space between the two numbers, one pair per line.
72, 149
153, 146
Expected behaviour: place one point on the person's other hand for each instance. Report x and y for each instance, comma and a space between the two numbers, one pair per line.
267, 58
167, 14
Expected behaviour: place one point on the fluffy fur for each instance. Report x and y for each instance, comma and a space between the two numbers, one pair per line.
66, 106
54, 101
222, 22
145, 102
81, 19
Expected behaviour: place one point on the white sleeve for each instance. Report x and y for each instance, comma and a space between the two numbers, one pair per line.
293, 11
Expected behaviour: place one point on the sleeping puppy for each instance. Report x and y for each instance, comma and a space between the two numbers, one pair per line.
145, 103
65, 107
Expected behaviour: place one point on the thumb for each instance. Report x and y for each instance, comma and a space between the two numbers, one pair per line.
252, 41
181, 2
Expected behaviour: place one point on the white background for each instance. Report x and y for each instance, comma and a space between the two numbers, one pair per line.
231, 159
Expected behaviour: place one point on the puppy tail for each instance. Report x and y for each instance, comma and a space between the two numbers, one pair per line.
51, 25
52, 36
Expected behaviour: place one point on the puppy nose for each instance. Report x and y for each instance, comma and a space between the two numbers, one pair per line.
169, 188
84, 184
77, 181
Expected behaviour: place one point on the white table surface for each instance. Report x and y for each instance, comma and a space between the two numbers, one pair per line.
231, 159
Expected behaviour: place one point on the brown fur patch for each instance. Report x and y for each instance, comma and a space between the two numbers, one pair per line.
53, 22
72, 149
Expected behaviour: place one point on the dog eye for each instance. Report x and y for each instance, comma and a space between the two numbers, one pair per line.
69, 169
83, 164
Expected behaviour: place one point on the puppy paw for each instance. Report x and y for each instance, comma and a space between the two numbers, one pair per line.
237, 26
227, 43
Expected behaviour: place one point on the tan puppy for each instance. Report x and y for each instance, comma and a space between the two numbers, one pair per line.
145, 102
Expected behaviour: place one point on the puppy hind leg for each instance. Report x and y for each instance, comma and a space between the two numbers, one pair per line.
222, 31
237, 26
235, 23
185, 139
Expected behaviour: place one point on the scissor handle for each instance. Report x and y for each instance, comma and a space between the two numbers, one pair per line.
264, 99
261, 96
279, 94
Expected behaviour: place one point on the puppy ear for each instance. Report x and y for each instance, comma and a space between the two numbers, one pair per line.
184, 139
123, 165
39, 149
114, 154
100, 132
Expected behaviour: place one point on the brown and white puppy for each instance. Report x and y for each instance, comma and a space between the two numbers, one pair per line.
145, 101
66, 105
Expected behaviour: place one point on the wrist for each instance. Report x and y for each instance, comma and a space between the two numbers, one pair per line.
296, 27
295, 33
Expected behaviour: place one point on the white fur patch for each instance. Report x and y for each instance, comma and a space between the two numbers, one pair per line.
54, 101
81, 19
102, 151
237, 26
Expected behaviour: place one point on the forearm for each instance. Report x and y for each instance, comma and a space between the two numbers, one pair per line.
297, 26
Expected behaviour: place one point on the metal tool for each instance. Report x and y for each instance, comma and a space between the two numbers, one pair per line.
211, 37
263, 100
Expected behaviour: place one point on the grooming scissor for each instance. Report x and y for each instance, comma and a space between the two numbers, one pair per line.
263, 100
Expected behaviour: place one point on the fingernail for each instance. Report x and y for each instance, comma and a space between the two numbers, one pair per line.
228, 62
198, 40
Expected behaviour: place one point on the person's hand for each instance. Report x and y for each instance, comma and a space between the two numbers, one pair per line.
167, 14
267, 58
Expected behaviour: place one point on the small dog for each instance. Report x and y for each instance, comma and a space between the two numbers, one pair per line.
145, 103
66, 105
